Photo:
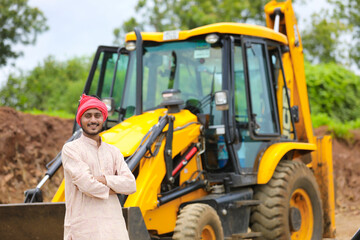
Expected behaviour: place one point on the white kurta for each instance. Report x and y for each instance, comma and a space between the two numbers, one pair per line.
91, 213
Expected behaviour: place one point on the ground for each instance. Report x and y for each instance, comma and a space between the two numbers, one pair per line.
29, 142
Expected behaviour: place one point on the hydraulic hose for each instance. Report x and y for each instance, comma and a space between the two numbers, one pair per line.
156, 131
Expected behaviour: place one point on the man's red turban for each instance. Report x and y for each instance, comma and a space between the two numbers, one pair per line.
88, 102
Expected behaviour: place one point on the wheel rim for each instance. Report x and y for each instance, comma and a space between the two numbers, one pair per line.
208, 233
301, 200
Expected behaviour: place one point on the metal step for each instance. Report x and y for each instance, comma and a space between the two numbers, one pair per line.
249, 235
246, 203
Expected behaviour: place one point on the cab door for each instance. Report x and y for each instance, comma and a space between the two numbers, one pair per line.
256, 112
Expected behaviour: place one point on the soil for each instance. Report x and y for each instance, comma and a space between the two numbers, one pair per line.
29, 142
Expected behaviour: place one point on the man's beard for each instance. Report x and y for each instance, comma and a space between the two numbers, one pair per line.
92, 133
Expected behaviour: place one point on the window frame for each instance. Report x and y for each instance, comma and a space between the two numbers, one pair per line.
252, 122
280, 51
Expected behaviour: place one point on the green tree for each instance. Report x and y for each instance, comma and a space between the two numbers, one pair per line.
163, 15
334, 34
348, 11
52, 85
333, 90
19, 23
127, 26
321, 40
322, 37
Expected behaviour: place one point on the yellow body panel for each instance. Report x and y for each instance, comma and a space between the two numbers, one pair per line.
127, 135
163, 219
323, 170
152, 173
227, 27
274, 154
60, 193
188, 170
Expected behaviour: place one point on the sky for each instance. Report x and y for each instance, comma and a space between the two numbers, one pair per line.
77, 28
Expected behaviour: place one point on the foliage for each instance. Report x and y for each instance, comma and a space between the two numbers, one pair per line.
321, 41
334, 98
348, 11
127, 26
58, 113
163, 15
323, 38
333, 90
334, 34
19, 23
50, 86
337, 128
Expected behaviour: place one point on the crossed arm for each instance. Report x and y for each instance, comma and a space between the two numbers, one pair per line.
98, 186
102, 179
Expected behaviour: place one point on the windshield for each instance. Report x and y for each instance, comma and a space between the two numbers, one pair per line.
102, 82
193, 66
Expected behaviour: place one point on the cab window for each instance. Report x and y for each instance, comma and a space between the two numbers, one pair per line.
261, 92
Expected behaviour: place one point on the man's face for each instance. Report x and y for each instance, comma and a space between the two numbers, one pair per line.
92, 121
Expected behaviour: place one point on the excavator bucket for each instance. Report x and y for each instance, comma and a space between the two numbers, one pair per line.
43, 221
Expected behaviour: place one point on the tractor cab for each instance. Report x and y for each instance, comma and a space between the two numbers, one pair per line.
225, 77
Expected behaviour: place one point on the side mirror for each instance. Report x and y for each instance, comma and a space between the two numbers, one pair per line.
221, 100
110, 105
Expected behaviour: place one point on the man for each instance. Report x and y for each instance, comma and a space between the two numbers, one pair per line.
94, 172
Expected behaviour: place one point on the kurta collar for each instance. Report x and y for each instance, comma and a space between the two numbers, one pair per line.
90, 141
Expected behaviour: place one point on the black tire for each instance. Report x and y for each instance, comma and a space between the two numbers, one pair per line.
292, 184
198, 221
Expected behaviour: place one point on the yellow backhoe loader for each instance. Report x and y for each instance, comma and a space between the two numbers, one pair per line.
215, 124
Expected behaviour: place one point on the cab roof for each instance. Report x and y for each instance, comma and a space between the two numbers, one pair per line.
222, 28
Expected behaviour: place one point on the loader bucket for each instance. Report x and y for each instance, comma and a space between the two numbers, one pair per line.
32, 221
43, 221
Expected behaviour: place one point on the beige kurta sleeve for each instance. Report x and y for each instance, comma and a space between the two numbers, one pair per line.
123, 181
81, 175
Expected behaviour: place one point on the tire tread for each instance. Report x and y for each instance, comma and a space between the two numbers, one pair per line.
268, 217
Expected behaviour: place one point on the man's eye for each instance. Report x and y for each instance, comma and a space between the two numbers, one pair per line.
98, 115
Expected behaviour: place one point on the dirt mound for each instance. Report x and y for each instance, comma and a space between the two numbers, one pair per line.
346, 159
28, 143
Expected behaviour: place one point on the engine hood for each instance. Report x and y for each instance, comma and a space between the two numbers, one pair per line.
128, 134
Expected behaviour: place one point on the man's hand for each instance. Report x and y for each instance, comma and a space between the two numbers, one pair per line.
101, 179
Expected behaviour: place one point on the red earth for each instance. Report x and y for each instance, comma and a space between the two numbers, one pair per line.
29, 142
